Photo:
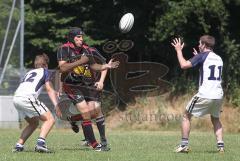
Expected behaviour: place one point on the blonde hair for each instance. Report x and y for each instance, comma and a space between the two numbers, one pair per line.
41, 61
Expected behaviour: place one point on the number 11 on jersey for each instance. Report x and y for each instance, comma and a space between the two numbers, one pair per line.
212, 72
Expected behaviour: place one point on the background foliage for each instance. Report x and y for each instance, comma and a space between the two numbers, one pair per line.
156, 23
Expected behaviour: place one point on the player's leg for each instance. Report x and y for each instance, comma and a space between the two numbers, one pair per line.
93, 97
48, 121
218, 131
85, 109
26, 133
73, 122
186, 125
100, 121
217, 125
197, 107
24, 107
75, 94
185, 130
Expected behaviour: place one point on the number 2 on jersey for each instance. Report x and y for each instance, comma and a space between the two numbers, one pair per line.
212, 72
30, 78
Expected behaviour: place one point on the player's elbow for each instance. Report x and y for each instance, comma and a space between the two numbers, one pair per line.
184, 67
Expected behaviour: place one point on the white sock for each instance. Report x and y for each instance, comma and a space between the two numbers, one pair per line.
19, 145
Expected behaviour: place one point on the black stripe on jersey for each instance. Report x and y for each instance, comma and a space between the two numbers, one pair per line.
41, 81
192, 104
34, 106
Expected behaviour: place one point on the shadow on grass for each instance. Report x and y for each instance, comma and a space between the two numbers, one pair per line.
33, 151
75, 148
204, 151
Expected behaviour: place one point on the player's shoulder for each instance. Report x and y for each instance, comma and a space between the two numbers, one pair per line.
85, 50
214, 56
96, 54
35, 70
66, 46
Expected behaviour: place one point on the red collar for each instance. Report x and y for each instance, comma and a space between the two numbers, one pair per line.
69, 44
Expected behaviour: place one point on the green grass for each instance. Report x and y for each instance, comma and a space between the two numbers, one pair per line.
125, 146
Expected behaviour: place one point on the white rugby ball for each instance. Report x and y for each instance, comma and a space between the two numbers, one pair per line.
126, 22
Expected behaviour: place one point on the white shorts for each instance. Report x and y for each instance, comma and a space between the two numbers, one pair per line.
201, 106
29, 107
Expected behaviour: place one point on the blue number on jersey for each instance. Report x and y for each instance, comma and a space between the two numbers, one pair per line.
212, 72
30, 78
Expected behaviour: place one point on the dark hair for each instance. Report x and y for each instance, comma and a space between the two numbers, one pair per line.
41, 61
74, 31
208, 40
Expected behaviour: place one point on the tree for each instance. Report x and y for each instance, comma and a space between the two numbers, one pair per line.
156, 23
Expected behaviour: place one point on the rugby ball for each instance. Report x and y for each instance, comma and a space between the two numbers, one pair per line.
126, 22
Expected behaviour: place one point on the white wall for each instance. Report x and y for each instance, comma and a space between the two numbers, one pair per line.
8, 113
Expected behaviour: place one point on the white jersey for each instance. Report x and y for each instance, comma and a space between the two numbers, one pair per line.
210, 75
32, 83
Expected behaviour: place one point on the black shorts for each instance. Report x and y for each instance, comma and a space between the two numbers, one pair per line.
79, 93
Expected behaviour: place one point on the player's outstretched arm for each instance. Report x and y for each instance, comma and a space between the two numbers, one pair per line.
64, 66
178, 45
100, 83
53, 97
110, 65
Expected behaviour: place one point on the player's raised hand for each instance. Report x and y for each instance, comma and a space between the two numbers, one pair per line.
113, 64
195, 51
177, 44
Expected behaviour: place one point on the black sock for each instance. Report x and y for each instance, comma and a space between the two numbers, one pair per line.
100, 121
84, 133
88, 131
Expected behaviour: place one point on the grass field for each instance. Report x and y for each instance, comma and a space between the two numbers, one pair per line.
125, 146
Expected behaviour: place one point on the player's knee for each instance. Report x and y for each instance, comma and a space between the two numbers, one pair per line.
52, 120
186, 117
97, 104
86, 115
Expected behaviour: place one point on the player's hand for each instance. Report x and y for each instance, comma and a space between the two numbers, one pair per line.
58, 111
99, 85
112, 64
195, 51
59, 94
177, 44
